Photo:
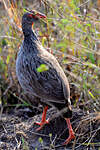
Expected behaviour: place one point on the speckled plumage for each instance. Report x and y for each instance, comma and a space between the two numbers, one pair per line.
50, 86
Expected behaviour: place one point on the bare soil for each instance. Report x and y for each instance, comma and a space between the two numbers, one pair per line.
18, 131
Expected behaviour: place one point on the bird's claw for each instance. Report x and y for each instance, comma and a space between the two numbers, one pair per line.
41, 124
71, 136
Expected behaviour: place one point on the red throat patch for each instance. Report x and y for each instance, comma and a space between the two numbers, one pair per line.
32, 24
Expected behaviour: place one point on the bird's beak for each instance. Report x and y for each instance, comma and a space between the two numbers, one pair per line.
41, 16
37, 14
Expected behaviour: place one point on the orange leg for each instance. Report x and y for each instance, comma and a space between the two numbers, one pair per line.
43, 121
71, 132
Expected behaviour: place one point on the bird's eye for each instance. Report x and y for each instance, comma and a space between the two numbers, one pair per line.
32, 16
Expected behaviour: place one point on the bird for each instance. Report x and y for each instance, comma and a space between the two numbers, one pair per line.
51, 85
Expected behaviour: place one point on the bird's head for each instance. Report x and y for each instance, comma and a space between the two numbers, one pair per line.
32, 16
28, 20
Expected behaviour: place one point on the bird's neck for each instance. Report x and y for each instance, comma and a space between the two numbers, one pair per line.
30, 40
28, 32
34, 36
27, 29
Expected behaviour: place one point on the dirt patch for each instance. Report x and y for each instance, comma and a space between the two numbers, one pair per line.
19, 133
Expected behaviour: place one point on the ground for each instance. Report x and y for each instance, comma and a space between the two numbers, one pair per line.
18, 131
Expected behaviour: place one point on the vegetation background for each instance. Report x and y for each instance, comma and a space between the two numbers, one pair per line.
71, 33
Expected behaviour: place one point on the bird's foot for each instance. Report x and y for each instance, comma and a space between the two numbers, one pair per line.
41, 124
71, 136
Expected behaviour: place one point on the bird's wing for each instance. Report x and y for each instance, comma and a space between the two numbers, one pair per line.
51, 84
61, 75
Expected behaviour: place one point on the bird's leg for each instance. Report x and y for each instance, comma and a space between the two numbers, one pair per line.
71, 132
43, 120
